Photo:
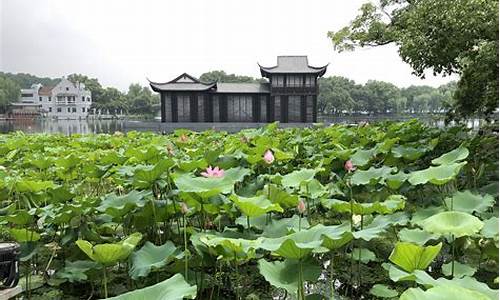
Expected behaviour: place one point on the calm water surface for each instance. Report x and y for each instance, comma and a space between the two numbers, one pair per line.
69, 127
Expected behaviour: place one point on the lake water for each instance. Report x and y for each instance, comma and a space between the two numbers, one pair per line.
69, 127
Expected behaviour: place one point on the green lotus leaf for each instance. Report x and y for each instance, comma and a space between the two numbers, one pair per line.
395, 181
284, 275
24, 235
378, 226
109, 254
118, 206
453, 156
33, 186
75, 271
461, 270
68, 162
383, 291
231, 248
151, 257
296, 178
411, 257
423, 213
416, 236
452, 222
294, 246
436, 175
470, 283
285, 226
468, 202
362, 157
280, 197
334, 236
20, 217
442, 293
390, 205
371, 176
490, 228
207, 187
146, 176
408, 153
254, 206
174, 288
364, 255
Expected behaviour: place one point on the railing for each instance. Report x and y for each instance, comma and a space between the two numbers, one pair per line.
294, 90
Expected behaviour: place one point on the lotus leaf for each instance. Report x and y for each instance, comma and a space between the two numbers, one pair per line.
468, 202
75, 271
280, 197
411, 257
207, 187
296, 178
151, 257
383, 291
460, 270
231, 248
174, 288
452, 222
362, 157
416, 236
283, 274
109, 254
295, 246
390, 205
453, 156
24, 235
255, 206
490, 228
443, 293
364, 255
118, 206
436, 175
371, 176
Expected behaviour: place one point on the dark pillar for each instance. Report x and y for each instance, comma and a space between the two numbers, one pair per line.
256, 108
315, 109
223, 108
193, 107
175, 109
209, 110
303, 109
271, 109
163, 109
284, 109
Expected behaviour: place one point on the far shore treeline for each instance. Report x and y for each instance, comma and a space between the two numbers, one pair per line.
337, 95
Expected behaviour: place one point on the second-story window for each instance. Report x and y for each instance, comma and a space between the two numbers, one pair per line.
40, 99
50, 98
83, 98
310, 80
294, 80
278, 80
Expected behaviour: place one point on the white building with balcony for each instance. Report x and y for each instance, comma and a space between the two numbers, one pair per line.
65, 100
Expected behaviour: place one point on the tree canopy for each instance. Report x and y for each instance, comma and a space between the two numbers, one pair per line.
446, 36
222, 76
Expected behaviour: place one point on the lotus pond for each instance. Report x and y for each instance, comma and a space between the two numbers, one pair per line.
387, 210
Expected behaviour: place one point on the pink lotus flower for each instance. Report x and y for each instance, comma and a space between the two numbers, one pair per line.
215, 172
349, 166
301, 207
269, 157
184, 208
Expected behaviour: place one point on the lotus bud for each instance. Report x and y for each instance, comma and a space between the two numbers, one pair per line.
184, 208
184, 138
269, 157
301, 207
349, 166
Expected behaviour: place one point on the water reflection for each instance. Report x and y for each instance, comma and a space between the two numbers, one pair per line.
66, 127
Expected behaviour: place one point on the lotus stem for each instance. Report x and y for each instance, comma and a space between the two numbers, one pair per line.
332, 294
453, 255
105, 282
248, 223
185, 248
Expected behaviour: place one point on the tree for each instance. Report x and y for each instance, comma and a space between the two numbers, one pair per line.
221, 76
382, 97
9, 93
446, 36
141, 101
335, 95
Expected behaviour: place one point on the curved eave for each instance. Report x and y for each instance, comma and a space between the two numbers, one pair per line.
156, 86
266, 71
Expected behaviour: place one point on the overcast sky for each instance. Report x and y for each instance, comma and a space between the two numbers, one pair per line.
121, 42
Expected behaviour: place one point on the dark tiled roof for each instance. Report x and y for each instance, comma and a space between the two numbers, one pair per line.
292, 64
255, 88
45, 91
183, 82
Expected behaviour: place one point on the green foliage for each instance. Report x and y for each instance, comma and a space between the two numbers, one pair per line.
174, 288
95, 193
445, 36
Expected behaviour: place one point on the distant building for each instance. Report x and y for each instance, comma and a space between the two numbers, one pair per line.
289, 96
65, 100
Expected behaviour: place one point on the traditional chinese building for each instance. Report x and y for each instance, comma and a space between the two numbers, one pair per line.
290, 95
